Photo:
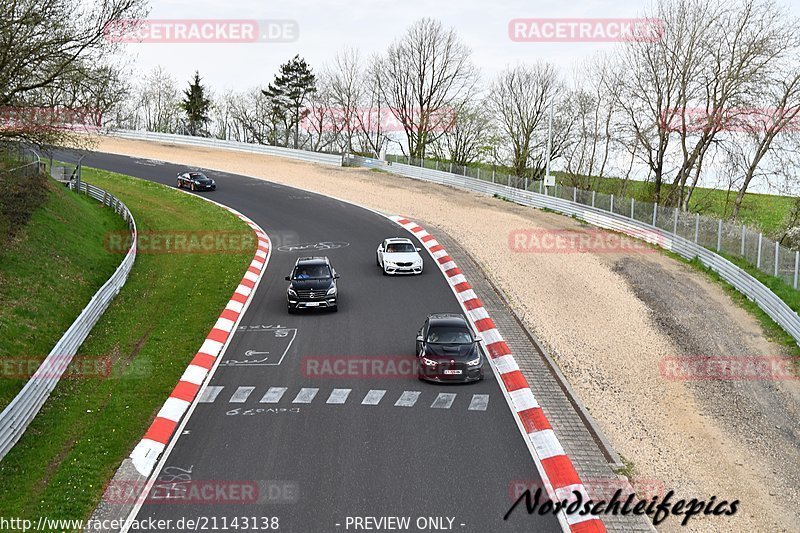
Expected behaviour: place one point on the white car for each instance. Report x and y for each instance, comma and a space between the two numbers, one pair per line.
399, 256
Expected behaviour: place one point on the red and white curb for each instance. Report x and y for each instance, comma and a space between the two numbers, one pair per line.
146, 453
554, 465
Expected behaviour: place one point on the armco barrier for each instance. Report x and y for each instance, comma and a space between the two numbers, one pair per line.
16, 417
743, 282
277, 151
756, 291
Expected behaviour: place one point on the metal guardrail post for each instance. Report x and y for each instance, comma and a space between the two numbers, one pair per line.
675, 222
777, 255
719, 235
744, 233
632, 204
758, 260
655, 212
593, 195
796, 267
696, 227
611, 206
575, 194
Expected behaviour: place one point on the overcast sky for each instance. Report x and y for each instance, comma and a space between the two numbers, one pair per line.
328, 26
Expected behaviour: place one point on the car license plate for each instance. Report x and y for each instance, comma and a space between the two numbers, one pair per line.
452, 372
312, 304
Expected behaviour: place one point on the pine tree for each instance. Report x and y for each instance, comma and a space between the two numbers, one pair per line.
196, 106
288, 93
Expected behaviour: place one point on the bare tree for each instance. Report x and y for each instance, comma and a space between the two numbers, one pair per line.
520, 98
424, 73
587, 152
159, 102
470, 134
45, 44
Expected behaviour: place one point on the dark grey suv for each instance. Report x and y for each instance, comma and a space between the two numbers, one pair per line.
312, 285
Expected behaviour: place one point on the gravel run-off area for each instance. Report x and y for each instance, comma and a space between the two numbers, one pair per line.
608, 319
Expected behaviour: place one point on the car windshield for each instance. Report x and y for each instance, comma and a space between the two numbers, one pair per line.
400, 247
198, 176
312, 272
449, 335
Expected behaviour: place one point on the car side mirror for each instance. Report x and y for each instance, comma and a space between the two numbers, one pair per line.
419, 338
479, 338
336, 276
419, 249
380, 248
288, 278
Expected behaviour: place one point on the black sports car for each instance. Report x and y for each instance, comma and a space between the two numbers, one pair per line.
447, 350
196, 181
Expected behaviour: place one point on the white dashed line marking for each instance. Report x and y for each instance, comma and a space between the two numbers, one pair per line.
305, 396
338, 396
210, 394
479, 402
273, 395
241, 394
373, 397
407, 399
444, 400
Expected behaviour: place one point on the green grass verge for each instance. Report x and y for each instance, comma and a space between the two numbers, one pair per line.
48, 273
151, 331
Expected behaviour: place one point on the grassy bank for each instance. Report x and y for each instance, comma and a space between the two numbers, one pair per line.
89, 425
52, 261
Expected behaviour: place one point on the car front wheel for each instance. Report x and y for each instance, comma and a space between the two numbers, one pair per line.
178, 184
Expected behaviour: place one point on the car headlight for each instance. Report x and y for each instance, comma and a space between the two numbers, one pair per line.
474, 362
331, 291
429, 362
418, 261
292, 292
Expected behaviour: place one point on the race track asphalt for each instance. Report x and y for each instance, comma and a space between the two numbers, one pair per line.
317, 463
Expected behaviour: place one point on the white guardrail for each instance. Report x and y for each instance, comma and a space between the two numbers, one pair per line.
16, 417
743, 282
277, 151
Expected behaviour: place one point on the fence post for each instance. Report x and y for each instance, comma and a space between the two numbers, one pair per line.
493, 175
422, 163
777, 256
758, 260
611, 208
479, 172
437, 164
556, 190
465, 170
451, 167
541, 184
744, 232
409, 159
632, 200
796, 267
594, 193
696, 227
508, 182
675, 222
655, 212
719, 235
575, 194
526, 183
